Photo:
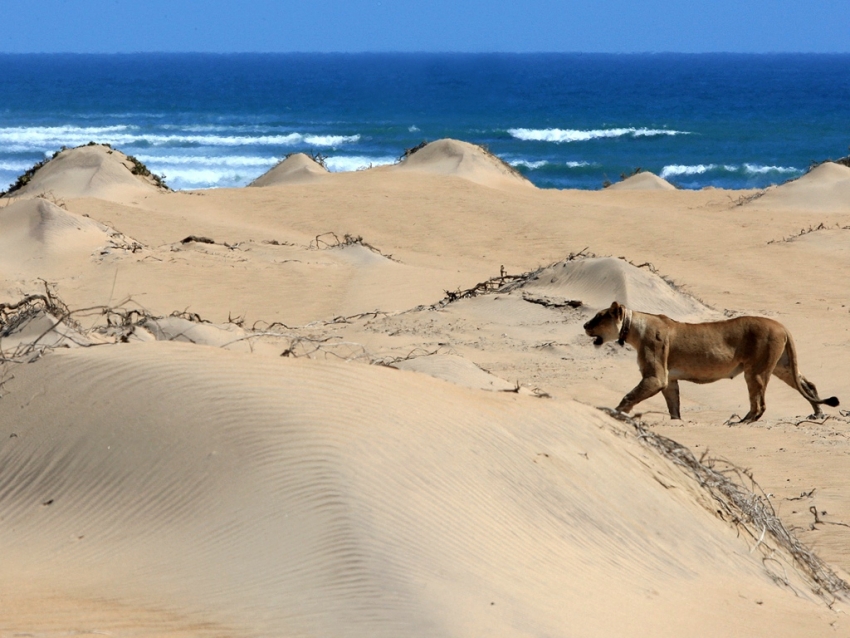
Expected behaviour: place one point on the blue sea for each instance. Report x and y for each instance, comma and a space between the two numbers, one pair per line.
564, 120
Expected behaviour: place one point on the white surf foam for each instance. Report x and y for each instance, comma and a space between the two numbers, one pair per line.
21, 139
679, 170
528, 164
535, 164
345, 163
331, 140
222, 160
197, 178
17, 167
756, 169
577, 135
674, 170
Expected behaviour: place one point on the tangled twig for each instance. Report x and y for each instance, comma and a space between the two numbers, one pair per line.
739, 503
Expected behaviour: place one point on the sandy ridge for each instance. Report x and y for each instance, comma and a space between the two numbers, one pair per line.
194, 481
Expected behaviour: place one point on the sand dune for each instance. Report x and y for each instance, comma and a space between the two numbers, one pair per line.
38, 238
297, 497
462, 159
642, 181
42, 330
89, 171
456, 370
825, 188
297, 168
164, 470
598, 282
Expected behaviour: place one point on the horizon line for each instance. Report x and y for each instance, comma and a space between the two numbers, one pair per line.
424, 52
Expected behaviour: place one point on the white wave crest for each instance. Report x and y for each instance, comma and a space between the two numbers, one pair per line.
578, 164
22, 139
756, 169
16, 167
531, 165
331, 140
195, 178
346, 163
234, 161
675, 170
575, 135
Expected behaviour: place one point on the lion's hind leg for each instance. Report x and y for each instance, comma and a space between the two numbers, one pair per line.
809, 391
757, 387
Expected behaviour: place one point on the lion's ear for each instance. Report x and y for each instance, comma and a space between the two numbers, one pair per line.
619, 311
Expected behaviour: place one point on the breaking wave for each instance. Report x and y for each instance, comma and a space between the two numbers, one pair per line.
744, 170
50, 138
576, 135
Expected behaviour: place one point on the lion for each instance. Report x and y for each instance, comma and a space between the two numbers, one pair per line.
670, 351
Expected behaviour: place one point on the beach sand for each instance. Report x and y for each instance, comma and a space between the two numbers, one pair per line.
362, 404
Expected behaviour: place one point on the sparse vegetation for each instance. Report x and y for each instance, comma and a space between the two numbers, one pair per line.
512, 169
140, 169
806, 231
332, 240
844, 161
743, 504
27, 175
413, 149
320, 159
625, 176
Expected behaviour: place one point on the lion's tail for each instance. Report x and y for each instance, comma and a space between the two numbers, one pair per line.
803, 387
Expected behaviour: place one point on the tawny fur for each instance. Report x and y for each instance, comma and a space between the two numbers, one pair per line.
670, 351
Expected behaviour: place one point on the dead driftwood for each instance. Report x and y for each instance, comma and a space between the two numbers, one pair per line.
742, 503
332, 240
116, 324
551, 302
806, 231
197, 239
14, 315
503, 283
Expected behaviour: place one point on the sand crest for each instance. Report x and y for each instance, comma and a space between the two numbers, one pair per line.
297, 168
456, 370
38, 238
642, 181
596, 282
89, 171
824, 188
462, 159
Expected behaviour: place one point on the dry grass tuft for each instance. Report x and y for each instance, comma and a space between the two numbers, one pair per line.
741, 502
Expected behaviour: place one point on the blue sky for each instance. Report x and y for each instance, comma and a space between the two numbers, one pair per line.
615, 26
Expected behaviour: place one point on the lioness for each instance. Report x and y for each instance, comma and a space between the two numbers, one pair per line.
670, 351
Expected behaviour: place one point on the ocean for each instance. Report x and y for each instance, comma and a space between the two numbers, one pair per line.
563, 120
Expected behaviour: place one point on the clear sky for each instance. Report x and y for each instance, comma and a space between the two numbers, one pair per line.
615, 26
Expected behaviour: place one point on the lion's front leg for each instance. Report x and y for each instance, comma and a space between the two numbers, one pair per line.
648, 386
652, 361
671, 396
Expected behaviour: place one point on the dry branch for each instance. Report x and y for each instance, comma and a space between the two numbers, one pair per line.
737, 502
806, 231
334, 241
549, 302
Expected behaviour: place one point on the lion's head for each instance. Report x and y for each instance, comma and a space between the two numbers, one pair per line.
606, 324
